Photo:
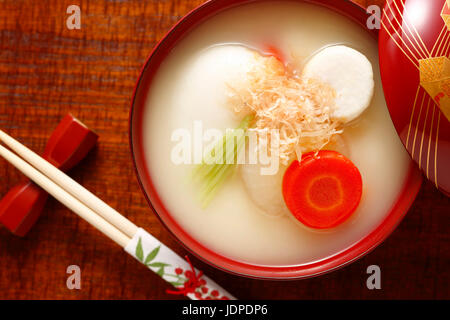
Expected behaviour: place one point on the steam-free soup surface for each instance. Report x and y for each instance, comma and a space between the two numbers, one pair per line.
189, 86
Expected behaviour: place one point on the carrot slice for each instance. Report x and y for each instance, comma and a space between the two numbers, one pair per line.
323, 190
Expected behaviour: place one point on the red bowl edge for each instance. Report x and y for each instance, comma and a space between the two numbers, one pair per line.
410, 190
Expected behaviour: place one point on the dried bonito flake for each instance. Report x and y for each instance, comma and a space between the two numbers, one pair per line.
300, 110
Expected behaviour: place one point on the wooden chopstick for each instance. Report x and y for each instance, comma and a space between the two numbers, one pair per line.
71, 186
66, 198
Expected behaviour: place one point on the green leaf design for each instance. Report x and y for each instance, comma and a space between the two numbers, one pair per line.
158, 265
176, 283
160, 272
152, 255
139, 251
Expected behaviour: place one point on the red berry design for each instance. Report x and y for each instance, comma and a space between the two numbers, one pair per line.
178, 271
215, 293
205, 290
198, 295
188, 273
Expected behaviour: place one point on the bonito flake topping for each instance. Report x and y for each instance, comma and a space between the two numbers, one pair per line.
300, 110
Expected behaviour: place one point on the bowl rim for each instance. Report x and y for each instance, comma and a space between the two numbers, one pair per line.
338, 260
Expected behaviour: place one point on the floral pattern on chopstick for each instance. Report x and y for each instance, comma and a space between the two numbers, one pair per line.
187, 281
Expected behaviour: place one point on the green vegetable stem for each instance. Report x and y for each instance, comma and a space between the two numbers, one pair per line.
219, 162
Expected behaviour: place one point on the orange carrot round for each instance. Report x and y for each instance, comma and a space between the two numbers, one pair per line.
323, 190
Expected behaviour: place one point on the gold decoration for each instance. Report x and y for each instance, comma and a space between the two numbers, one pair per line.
445, 14
435, 79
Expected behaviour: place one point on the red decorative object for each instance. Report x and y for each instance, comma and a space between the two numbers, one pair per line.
68, 145
195, 284
414, 47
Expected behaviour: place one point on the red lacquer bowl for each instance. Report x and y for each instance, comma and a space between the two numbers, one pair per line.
414, 47
408, 194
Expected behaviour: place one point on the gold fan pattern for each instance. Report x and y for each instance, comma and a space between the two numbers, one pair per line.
432, 101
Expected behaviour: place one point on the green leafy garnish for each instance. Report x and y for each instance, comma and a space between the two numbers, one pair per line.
219, 162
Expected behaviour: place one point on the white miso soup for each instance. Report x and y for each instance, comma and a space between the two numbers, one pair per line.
190, 88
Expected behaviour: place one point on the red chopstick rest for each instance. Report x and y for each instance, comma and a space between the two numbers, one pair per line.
69, 143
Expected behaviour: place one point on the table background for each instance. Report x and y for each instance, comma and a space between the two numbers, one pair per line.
47, 71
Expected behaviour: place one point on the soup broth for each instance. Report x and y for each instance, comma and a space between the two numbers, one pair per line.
187, 88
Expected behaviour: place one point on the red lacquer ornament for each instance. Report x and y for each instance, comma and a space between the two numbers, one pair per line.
415, 68
68, 145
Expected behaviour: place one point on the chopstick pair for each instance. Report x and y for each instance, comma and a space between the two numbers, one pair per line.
136, 241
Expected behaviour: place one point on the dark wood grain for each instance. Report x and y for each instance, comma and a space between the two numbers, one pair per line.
47, 70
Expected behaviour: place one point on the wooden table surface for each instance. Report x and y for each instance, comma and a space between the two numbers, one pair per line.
47, 71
